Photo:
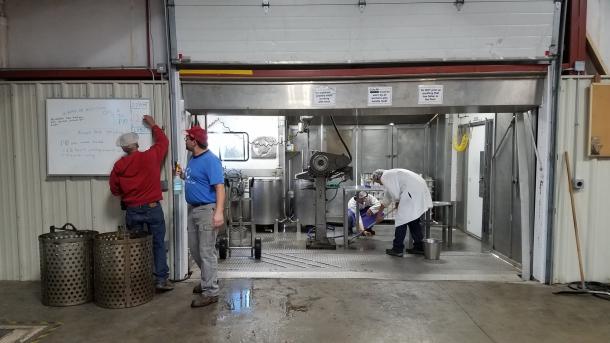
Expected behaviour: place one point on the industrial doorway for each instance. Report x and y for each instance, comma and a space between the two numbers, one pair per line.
400, 136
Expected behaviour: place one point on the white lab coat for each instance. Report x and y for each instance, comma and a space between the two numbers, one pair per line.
410, 190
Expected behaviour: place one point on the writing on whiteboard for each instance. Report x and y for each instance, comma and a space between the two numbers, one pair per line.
82, 133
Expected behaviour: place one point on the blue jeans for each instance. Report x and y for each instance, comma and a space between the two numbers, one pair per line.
135, 218
351, 220
400, 234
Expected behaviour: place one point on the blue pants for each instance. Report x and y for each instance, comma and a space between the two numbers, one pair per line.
400, 234
135, 218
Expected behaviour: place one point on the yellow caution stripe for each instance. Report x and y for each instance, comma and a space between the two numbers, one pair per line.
198, 72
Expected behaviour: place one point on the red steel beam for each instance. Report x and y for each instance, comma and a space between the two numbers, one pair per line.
367, 72
335, 73
577, 35
79, 74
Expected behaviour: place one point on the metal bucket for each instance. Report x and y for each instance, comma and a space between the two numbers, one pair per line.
123, 269
432, 248
66, 266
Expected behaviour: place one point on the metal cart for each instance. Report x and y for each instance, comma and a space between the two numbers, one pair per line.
237, 224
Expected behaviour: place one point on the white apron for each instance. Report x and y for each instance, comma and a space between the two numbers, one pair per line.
410, 190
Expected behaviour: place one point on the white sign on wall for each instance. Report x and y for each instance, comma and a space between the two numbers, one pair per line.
430, 95
380, 96
324, 96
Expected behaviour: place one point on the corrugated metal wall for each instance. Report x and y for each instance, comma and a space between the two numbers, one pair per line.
337, 31
30, 201
591, 202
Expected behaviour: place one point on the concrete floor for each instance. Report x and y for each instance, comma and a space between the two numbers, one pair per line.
326, 310
357, 294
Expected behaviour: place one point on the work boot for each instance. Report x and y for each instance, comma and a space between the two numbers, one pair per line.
418, 249
204, 300
392, 252
164, 286
197, 289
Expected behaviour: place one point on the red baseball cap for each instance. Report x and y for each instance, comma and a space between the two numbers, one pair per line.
198, 134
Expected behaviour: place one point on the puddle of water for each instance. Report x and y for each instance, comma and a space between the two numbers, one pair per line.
239, 300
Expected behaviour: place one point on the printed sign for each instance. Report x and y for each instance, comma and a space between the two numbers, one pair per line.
430, 95
324, 96
380, 96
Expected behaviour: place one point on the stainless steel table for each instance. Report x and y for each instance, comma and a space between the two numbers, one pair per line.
347, 191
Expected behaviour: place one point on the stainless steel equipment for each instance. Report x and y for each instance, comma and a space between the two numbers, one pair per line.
322, 167
304, 205
66, 266
123, 269
240, 226
266, 197
244, 212
430, 184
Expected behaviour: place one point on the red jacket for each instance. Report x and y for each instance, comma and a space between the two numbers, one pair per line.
136, 178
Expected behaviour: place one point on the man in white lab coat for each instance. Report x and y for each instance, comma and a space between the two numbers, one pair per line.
412, 197
363, 211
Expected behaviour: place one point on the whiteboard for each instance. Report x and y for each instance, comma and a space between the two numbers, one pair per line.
82, 133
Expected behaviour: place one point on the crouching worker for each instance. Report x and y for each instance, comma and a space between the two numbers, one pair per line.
363, 212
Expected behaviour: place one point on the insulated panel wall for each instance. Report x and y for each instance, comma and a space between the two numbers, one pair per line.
9, 252
339, 31
85, 33
31, 201
591, 202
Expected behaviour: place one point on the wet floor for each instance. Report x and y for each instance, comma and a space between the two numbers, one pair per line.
284, 256
327, 310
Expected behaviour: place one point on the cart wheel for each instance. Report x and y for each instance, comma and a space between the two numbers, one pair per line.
258, 247
222, 249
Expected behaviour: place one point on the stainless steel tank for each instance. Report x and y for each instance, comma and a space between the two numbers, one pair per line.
266, 195
304, 201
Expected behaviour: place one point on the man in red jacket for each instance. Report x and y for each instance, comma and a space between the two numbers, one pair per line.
136, 179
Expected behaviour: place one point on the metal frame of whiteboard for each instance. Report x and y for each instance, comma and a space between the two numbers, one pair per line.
84, 99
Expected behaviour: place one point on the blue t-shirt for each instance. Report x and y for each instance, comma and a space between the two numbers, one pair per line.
202, 173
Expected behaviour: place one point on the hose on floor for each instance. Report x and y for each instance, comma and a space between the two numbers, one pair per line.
592, 286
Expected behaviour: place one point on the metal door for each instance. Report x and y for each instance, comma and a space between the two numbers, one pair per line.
505, 219
475, 178
409, 147
374, 148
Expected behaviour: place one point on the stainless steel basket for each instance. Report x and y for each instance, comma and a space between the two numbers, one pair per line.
123, 269
66, 266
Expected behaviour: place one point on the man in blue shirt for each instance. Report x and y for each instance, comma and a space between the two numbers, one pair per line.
205, 194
